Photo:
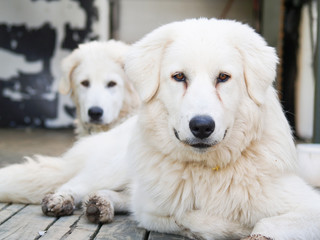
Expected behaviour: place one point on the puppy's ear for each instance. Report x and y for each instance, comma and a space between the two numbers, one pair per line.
117, 50
68, 65
143, 61
260, 63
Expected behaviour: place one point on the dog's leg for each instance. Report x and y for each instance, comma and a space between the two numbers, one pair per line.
194, 224
159, 223
98, 172
100, 206
300, 207
65, 199
294, 225
198, 224
93, 177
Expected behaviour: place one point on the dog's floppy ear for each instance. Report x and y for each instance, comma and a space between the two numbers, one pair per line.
68, 65
117, 50
143, 61
260, 63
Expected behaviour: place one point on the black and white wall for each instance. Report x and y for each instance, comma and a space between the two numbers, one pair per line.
34, 36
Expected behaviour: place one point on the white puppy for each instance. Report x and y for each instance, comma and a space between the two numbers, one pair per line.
101, 91
210, 155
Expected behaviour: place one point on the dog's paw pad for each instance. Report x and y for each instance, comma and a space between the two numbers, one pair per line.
57, 205
256, 237
93, 213
99, 209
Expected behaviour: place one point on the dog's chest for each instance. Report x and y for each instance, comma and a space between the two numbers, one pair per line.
182, 189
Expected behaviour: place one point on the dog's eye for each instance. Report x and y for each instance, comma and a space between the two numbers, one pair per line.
223, 77
85, 83
111, 84
179, 77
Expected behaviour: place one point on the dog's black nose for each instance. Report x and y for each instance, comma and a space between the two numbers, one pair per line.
202, 126
95, 113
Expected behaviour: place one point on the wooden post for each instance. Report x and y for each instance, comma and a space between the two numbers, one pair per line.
316, 122
272, 31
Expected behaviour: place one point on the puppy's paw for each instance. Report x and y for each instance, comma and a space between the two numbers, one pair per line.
56, 205
256, 237
99, 209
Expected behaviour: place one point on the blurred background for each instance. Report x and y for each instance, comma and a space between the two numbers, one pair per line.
36, 34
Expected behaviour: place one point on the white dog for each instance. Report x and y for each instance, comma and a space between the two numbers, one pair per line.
100, 89
210, 154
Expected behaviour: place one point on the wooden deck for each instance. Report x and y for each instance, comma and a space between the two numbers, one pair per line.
24, 222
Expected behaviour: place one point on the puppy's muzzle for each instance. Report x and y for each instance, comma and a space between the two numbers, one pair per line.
202, 126
95, 113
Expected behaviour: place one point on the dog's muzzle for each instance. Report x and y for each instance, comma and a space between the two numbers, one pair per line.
201, 126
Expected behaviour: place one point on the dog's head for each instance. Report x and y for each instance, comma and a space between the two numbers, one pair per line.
202, 71
94, 75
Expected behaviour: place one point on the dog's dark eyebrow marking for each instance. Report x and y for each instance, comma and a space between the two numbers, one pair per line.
176, 134
225, 133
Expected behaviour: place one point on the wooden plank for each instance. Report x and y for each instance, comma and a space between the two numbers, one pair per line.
2, 205
8, 210
26, 224
122, 227
83, 230
61, 227
164, 236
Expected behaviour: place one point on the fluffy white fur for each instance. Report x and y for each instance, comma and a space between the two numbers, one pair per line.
174, 184
87, 74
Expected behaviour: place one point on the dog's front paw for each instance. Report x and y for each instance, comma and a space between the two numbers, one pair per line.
99, 209
56, 205
256, 237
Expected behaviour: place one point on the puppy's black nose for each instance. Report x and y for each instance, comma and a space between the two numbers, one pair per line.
202, 126
95, 113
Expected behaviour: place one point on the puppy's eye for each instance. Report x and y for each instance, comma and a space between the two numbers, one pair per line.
223, 77
179, 77
85, 83
111, 84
